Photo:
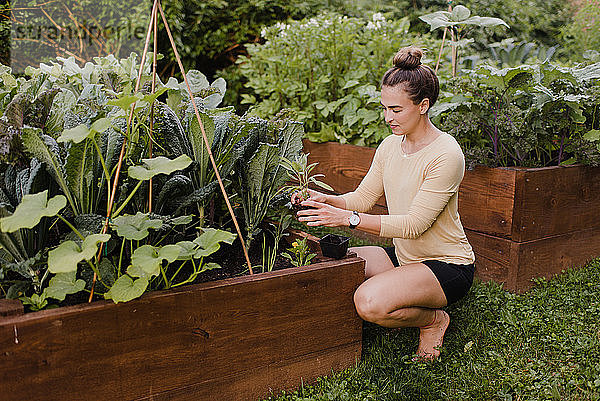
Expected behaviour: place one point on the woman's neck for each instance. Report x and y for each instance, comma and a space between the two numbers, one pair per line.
423, 135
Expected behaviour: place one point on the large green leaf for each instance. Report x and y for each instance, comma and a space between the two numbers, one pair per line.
263, 161
135, 227
290, 146
63, 284
124, 102
45, 149
76, 134
158, 165
209, 241
31, 210
197, 141
79, 170
460, 15
146, 260
187, 250
125, 289
81, 132
196, 80
587, 73
592, 135
198, 196
68, 254
502, 78
175, 187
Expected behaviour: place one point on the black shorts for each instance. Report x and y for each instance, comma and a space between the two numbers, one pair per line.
455, 280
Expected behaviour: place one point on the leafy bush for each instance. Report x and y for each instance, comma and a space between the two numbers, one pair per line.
584, 32
210, 34
327, 69
530, 116
538, 21
61, 133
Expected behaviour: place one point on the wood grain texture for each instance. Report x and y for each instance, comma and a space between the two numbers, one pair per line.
288, 374
550, 256
10, 307
492, 256
516, 263
556, 200
486, 200
172, 340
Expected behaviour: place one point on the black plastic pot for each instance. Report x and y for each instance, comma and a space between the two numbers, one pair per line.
334, 246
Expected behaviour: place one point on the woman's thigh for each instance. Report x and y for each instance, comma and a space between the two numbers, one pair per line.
376, 259
412, 285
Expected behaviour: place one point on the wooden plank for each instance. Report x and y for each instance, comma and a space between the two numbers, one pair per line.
492, 256
516, 263
175, 339
10, 307
556, 200
344, 166
269, 380
485, 200
550, 256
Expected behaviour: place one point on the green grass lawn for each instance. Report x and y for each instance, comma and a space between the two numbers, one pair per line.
542, 345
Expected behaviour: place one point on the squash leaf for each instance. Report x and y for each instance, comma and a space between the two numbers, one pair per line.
158, 165
68, 254
187, 250
209, 241
124, 102
146, 260
125, 289
135, 227
63, 284
31, 210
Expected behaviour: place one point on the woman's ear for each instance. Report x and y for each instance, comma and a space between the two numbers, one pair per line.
424, 106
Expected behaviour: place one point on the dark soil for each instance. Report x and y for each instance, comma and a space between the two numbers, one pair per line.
233, 262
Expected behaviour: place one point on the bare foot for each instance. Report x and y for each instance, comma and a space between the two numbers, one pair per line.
431, 337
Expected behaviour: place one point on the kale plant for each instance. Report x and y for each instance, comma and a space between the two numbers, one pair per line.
530, 116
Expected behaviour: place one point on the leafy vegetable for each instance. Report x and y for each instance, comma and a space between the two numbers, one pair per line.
31, 210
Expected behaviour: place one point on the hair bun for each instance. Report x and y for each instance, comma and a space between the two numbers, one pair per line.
408, 58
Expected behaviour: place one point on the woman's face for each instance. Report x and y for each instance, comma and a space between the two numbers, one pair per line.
400, 112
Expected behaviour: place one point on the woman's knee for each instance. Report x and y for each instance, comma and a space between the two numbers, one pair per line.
368, 305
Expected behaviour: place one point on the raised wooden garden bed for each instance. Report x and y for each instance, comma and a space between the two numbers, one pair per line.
234, 339
522, 222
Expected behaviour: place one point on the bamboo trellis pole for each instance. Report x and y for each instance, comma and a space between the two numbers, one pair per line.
152, 29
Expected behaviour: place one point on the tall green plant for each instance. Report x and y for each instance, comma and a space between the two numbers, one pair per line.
260, 173
327, 69
458, 21
530, 116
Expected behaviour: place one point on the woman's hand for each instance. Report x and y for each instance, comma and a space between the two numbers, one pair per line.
323, 214
312, 195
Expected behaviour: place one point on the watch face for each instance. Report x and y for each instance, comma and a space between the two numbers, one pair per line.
354, 220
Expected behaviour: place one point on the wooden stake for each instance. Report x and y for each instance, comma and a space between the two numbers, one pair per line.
123, 146
210, 155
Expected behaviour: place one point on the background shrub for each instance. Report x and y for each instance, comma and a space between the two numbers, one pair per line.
584, 32
211, 34
328, 69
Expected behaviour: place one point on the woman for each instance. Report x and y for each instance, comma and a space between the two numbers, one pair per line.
419, 169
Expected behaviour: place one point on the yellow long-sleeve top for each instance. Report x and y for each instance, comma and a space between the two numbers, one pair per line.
421, 191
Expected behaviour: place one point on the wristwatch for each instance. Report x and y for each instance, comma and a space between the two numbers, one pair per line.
354, 219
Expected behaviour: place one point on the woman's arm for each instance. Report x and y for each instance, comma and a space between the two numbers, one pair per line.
441, 183
323, 214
